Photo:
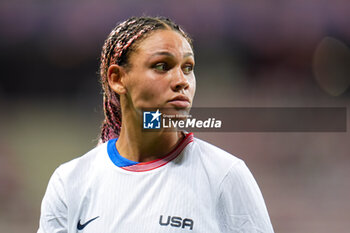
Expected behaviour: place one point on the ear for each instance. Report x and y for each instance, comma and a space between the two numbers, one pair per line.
115, 75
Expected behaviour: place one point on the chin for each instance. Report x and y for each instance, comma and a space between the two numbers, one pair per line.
175, 113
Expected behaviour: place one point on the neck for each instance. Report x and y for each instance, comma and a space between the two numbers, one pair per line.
142, 146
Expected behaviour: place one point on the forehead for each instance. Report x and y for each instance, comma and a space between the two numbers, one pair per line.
162, 40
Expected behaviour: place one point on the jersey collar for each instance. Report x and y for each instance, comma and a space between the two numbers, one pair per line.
130, 165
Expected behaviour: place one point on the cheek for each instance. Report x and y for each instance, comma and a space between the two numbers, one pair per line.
151, 88
150, 92
146, 91
192, 82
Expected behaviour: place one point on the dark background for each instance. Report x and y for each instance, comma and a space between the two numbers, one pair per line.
259, 53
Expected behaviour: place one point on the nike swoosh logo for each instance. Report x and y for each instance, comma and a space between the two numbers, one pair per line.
82, 226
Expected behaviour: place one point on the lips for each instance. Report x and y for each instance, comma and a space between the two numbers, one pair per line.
180, 98
180, 101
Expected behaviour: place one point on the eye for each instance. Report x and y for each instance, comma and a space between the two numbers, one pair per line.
161, 67
188, 68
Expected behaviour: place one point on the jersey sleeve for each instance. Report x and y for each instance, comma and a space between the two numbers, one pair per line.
241, 206
53, 218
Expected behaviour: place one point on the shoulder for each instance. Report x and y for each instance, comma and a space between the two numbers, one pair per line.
216, 156
78, 167
218, 163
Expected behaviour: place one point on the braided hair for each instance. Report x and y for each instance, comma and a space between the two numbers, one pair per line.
117, 48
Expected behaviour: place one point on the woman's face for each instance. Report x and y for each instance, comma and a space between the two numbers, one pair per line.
161, 73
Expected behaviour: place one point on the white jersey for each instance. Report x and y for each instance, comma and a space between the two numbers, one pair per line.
195, 188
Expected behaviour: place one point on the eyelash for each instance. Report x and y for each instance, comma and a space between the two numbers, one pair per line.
188, 66
165, 67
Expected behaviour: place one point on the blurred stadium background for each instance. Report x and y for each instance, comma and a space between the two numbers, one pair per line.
258, 53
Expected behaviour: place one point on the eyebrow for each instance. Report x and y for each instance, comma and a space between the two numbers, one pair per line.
170, 54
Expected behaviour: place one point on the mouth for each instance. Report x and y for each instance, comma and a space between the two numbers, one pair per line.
180, 101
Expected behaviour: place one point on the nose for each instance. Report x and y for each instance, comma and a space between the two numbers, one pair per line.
180, 81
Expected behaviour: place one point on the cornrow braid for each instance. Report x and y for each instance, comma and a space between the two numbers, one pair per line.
117, 48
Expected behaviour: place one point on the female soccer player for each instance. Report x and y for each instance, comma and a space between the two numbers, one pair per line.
160, 181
